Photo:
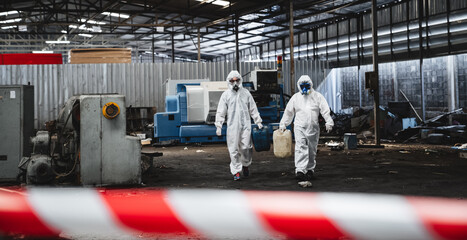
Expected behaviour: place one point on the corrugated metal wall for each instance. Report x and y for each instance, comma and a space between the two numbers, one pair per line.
143, 84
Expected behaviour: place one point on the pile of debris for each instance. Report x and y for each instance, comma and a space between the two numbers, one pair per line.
399, 122
447, 128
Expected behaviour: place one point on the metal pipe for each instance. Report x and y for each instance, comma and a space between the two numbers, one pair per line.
153, 50
358, 62
199, 46
420, 50
237, 51
173, 48
292, 66
413, 109
374, 31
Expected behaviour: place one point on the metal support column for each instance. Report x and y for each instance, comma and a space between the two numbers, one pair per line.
237, 51
173, 48
427, 39
420, 51
348, 39
407, 16
374, 29
395, 82
315, 44
199, 46
448, 18
298, 45
359, 63
307, 45
153, 50
337, 45
391, 37
292, 66
282, 46
453, 88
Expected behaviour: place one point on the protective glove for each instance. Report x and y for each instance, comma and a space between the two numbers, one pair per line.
328, 128
282, 128
260, 126
219, 131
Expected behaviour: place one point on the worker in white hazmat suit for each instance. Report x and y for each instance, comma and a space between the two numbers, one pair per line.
306, 105
239, 106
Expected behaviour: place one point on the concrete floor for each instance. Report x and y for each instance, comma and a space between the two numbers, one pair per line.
420, 170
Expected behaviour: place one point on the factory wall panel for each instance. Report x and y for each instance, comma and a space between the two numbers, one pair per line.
445, 83
462, 80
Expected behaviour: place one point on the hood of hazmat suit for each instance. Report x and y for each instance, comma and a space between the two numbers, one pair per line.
306, 105
239, 107
234, 81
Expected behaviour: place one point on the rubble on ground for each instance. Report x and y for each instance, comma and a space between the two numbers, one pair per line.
399, 123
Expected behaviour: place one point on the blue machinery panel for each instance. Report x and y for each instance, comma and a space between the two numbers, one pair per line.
172, 124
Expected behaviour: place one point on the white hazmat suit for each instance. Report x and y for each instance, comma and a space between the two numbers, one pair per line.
239, 106
306, 107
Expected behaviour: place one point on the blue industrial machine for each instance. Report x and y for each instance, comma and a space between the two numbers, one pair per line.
190, 114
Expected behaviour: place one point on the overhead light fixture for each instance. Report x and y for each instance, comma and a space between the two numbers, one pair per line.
58, 42
216, 2
83, 27
83, 20
221, 3
85, 35
9, 13
9, 27
64, 31
11, 20
42, 51
96, 29
119, 15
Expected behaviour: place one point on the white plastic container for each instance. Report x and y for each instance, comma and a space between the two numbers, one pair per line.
282, 142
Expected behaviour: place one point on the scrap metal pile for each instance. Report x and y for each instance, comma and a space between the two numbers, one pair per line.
398, 124
447, 128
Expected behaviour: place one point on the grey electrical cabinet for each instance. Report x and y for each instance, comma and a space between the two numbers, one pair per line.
16, 127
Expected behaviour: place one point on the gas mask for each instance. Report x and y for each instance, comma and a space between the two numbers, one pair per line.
235, 84
305, 88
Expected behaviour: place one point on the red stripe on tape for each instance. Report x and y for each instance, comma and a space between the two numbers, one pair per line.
295, 215
18, 217
146, 211
446, 218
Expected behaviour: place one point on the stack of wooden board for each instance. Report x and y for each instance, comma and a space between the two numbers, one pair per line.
100, 55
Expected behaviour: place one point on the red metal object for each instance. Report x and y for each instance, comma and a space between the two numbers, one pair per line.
30, 58
18, 217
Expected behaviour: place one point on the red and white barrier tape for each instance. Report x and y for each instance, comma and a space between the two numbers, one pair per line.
218, 214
